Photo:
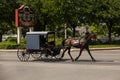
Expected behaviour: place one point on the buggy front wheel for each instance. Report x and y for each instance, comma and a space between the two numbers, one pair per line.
22, 54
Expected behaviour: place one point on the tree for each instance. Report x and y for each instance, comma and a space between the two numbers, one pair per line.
107, 11
68, 13
100, 11
51, 14
46, 13
7, 16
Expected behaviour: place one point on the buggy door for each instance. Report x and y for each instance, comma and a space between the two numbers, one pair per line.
42, 39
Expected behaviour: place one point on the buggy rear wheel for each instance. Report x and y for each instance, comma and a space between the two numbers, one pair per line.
22, 54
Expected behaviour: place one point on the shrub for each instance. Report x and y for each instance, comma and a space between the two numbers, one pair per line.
12, 39
8, 45
11, 43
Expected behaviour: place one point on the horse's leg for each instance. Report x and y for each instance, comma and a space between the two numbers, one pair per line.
70, 54
87, 48
79, 54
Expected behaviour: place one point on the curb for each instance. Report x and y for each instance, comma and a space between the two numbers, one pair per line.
92, 49
112, 48
97, 49
8, 50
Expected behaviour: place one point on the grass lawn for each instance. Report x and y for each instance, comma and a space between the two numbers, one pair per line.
104, 45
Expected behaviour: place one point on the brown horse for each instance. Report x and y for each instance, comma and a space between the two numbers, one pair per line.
82, 44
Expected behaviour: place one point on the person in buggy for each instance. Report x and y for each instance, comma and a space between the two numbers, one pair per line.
83, 39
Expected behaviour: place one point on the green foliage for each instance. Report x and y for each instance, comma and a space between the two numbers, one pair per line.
100, 30
8, 45
22, 43
11, 43
116, 30
7, 9
12, 39
52, 14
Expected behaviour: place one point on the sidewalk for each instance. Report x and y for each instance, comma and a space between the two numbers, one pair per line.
92, 49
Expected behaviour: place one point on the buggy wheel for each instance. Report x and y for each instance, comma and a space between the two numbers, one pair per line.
23, 55
36, 55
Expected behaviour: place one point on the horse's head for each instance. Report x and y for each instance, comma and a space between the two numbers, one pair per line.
92, 36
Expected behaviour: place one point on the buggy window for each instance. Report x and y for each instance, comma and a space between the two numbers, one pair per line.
51, 37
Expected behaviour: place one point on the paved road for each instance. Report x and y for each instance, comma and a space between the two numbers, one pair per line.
107, 67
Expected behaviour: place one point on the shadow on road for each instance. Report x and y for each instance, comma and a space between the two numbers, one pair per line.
69, 61
95, 61
49, 60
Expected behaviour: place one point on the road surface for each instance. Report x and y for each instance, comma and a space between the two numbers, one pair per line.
106, 67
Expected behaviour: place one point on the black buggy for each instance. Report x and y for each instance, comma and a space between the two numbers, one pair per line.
39, 45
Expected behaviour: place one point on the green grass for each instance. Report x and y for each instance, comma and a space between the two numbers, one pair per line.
104, 45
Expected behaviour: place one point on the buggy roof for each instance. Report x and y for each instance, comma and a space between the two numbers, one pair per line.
41, 32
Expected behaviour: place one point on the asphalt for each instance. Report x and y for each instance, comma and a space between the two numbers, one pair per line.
106, 67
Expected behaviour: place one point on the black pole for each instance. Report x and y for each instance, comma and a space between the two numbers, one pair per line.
73, 31
0, 37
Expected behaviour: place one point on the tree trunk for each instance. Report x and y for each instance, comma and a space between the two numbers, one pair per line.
109, 34
109, 31
0, 38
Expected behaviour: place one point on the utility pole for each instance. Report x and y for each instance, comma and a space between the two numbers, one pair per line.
65, 26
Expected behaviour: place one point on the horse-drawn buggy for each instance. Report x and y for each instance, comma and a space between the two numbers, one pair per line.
39, 44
